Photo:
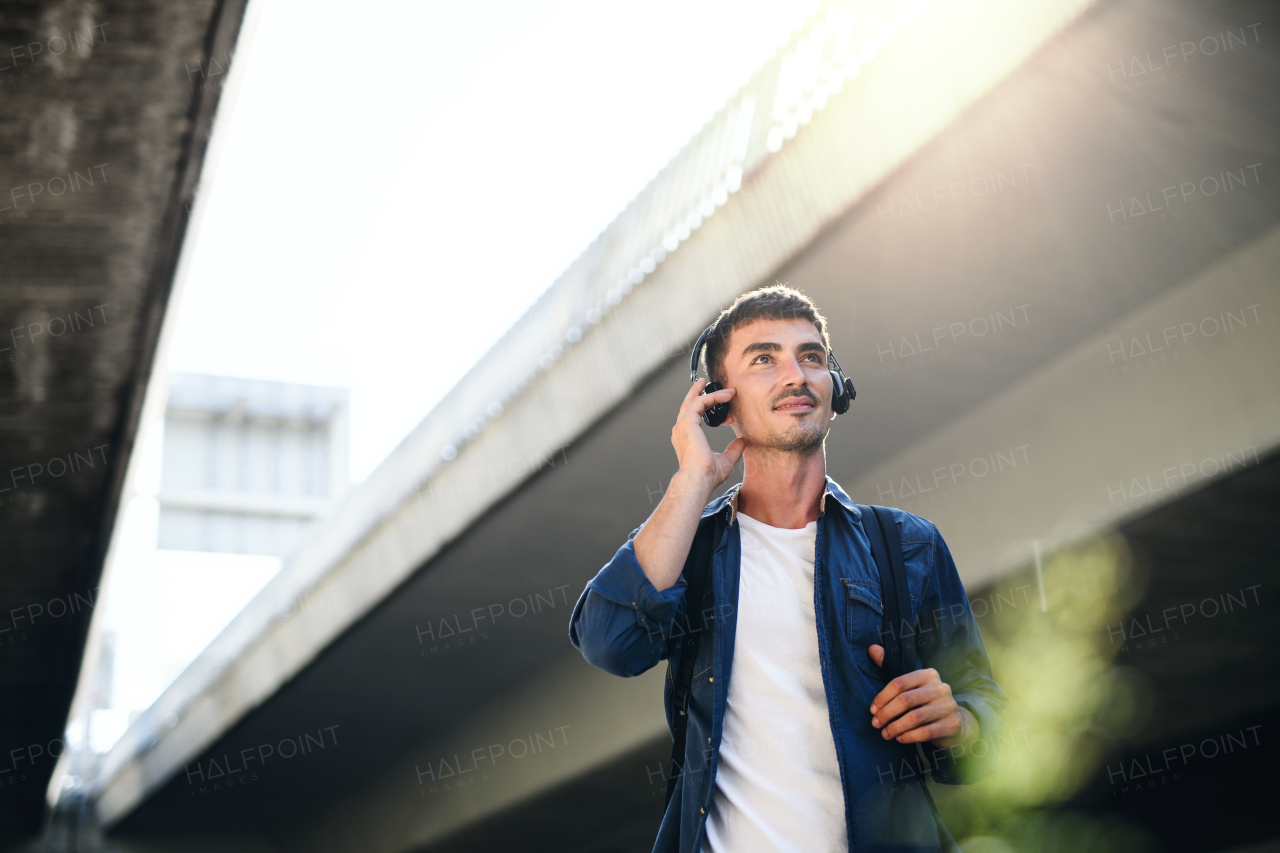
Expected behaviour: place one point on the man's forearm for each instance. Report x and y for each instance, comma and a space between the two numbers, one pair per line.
663, 543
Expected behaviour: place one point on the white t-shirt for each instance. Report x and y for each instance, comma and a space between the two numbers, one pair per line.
778, 782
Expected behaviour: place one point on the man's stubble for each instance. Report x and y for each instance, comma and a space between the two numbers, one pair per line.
802, 437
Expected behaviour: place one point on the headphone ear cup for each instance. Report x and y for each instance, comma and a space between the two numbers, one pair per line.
715, 415
839, 394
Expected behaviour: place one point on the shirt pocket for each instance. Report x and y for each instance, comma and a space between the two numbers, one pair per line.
864, 621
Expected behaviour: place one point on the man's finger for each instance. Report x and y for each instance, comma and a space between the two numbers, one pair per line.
904, 702
734, 451
903, 682
939, 730
922, 716
910, 699
694, 390
693, 405
911, 720
705, 401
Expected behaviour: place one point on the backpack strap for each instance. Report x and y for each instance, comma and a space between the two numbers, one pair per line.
886, 546
696, 569
899, 657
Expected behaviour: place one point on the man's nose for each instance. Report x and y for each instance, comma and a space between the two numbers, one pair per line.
793, 373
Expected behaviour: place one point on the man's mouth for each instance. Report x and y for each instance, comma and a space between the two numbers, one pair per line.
794, 404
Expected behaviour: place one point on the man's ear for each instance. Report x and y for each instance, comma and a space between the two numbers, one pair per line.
728, 419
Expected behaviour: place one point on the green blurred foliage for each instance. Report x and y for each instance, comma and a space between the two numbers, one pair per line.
1068, 705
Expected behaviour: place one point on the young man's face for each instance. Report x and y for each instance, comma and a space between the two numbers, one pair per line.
783, 400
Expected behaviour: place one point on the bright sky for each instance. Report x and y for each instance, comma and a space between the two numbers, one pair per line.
400, 180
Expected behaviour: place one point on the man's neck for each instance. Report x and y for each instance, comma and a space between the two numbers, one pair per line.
782, 489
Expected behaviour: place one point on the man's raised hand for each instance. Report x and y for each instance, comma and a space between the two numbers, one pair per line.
698, 461
662, 545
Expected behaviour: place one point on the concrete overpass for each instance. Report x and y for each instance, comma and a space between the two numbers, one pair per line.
1049, 270
107, 113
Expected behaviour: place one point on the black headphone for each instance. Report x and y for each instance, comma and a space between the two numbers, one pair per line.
715, 415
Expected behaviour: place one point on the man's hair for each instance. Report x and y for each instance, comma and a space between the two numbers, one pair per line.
776, 302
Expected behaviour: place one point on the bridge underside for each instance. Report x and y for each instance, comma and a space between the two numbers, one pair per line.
102, 140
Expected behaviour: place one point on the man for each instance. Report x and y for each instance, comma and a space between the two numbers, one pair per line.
795, 740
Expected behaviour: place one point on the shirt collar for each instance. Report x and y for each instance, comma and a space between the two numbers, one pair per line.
833, 489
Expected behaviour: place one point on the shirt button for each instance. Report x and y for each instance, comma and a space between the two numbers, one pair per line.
704, 811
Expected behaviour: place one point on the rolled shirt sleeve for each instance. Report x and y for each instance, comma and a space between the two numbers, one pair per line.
621, 621
962, 662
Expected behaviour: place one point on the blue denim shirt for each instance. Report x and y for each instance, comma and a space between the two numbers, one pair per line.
623, 625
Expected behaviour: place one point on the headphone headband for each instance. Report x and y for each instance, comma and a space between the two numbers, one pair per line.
697, 353
835, 362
